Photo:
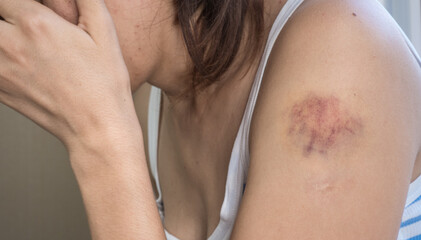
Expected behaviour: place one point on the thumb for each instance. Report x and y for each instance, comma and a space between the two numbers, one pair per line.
95, 19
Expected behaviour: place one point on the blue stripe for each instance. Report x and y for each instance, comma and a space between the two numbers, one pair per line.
411, 221
416, 200
418, 237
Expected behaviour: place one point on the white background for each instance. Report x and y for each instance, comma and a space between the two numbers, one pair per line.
408, 14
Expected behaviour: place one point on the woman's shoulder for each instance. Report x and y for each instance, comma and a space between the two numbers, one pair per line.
341, 47
319, 25
348, 50
335, 125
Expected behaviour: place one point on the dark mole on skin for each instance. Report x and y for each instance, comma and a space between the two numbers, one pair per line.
318, 124
354, 14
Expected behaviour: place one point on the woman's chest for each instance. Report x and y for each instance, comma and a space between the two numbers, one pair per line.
193, 171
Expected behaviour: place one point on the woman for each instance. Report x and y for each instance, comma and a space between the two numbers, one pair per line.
328, 151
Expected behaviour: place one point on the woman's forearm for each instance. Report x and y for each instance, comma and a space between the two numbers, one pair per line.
83, 97
114, 181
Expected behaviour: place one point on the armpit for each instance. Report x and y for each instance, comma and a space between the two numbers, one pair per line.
320, 124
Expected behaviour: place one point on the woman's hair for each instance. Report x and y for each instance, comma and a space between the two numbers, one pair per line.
213, 31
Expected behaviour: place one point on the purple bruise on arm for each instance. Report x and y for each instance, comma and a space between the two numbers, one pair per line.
319, 124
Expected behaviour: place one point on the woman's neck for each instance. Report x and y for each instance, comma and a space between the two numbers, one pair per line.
173, 75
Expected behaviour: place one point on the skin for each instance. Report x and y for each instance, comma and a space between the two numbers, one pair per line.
151, 45
315, 141
320, 123
345, 192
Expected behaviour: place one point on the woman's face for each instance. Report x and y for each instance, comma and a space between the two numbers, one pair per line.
141, 26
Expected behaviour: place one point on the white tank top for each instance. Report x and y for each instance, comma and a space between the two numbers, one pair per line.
239, 161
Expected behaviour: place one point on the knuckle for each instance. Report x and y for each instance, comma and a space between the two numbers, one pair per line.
35, 23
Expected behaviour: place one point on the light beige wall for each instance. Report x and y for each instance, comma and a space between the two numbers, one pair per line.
39, 196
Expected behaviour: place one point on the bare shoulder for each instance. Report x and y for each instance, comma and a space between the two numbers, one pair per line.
335, 129
346, 58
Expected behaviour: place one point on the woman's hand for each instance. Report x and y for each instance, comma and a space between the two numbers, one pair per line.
71, 80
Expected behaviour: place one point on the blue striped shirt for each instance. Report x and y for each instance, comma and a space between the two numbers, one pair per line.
411, 219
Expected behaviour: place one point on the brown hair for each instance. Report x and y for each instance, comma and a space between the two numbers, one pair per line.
213, 31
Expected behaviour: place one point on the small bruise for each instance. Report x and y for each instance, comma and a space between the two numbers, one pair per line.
319, 124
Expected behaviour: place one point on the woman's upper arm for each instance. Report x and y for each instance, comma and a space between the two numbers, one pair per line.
334, 134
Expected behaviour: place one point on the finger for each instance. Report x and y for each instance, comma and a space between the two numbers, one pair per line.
3, 23
8, 9
11, 10
95, 19
5, 28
